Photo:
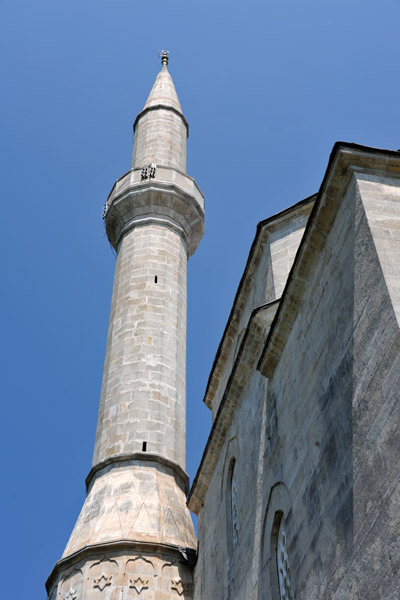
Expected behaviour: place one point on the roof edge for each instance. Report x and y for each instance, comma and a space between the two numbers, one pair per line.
261, 226
260, 319
343, 162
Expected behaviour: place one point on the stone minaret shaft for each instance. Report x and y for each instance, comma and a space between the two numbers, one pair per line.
134, 535
142, 406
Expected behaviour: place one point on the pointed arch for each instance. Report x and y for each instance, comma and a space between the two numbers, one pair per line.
273, 531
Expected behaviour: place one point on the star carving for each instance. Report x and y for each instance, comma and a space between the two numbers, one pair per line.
176, 584
139, 584
102, 582
71, 595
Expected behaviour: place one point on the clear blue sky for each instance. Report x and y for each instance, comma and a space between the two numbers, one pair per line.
267, 88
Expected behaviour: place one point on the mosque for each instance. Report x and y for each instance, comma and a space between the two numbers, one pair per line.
298, 490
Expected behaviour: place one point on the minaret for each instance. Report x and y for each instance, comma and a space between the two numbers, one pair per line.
134, 537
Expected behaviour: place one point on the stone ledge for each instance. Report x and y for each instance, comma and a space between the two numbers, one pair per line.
345, 160
187, 556
247, 357
264, 229
175, 200
139, 456
164, 172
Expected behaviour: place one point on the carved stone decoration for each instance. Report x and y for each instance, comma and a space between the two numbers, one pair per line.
71, 586
139, 584
102, 582
139, 573
71, 595
102, 574
177, 585
177, 579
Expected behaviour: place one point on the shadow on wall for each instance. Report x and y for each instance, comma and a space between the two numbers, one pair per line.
308, 464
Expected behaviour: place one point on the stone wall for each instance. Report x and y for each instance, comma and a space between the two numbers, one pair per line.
283, 243
336, 392
222, 571
310, 459
310, 423
268, 267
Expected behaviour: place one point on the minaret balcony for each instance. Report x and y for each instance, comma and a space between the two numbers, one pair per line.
155, 194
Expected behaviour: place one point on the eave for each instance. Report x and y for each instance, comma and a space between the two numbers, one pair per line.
264, 229
245, 362
345, 160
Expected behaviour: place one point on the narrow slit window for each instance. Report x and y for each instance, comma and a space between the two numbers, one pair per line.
144, 447
155, 278
231, 509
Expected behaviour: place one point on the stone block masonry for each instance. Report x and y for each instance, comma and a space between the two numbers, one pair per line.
160, 137
143, 392
298, 493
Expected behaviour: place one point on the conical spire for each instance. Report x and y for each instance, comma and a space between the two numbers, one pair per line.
160, 128
163, 92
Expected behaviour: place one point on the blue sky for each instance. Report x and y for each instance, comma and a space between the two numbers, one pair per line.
267, 88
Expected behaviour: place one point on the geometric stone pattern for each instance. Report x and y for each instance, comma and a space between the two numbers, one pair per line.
138, 501
118, 575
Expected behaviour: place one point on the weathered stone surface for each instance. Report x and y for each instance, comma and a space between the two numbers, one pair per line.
268, 266
128, 575
143, 392
134, 500
316, 446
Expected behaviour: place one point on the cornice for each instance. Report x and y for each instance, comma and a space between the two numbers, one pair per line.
134, 175
169, 198
345, 160
138, 456
264, 230
187, 556
247, 357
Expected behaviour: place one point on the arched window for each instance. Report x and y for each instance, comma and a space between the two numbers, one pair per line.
275, 579
231, 508
282, 560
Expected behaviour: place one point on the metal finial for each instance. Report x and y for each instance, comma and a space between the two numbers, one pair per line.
164, 57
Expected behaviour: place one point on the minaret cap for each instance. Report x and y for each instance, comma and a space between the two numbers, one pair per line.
164, 57
163, 91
